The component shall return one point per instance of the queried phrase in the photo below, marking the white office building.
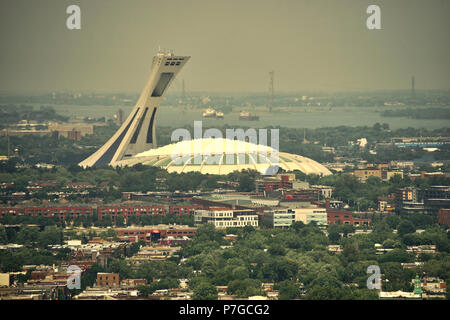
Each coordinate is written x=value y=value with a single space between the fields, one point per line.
x=279 y=217
x=226 y=217
x=313 y=213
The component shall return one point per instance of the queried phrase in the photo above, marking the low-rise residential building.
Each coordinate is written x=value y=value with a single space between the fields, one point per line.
x=412 y=265
x=127 y=211
x=100 y=293
x=380 y=171
x=364 y=174
x=386 y=203
x=152 y=253
x=269 y=184
x=132 y=283
x=108 y=279
x=336 y=248
x=154 y=233
x=96 y=251
x=35 y=291
x=325 y=191
x=417 y=250
x=5 y=279
x=434 y=288
x=399 y=295
x=426 y=175
x=305 y=195
x=9 y=212
x=386 y=175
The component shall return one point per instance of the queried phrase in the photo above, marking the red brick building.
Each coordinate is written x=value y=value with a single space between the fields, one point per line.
x=126 y=211
x=155 y=233
x=345 y=217
x=301 y=195
x=444 y=216
x=107 y=279
x=74 y=135
x=184 y=209
x=9 y=212
x=271 y=184
x=62 y=213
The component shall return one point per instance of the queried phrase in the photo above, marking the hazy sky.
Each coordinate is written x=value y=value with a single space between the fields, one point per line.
x=310 y=44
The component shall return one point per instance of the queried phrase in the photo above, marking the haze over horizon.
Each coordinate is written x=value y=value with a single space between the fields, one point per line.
x=311 y=45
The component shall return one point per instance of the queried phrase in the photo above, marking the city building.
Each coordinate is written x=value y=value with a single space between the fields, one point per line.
x=152 y=253
x=436 y=192
x=305 y=195
x=154 y=233
x=426 y=175
x=311 y=214
x=9 y=212
x=430 y=200
x=71 y=131
x=279 y=217
x=364 y=174
x=325 y=191
x=380 y=170
x=402 y=164
x=444 y=216
x=401 y=295
x=386 y=175
x=335 y=248
x=107 y=294
x=112 y=211
x=119 y=117
x=184 y=209
x=418 y=250
x=268 y=184
x=386 y=203
x=408 y=195
x=96 y=251
x=5 y=279
x=108 y=279
x=434 y=288
x=127 y=211
x=226 y=217
x=62 y=213
x=345 y=217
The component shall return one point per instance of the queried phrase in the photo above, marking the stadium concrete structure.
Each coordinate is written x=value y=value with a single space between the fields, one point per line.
x=135 y=141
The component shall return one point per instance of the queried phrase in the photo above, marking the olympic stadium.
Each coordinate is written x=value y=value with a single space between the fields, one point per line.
x=135 y=141
x=223 y=156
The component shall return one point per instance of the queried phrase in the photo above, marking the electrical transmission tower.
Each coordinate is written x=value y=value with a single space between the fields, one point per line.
x=270 y=96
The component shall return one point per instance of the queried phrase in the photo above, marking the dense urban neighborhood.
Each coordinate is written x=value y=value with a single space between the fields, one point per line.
x=142 y=232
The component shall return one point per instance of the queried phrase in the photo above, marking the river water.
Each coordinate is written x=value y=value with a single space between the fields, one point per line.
x=286 y=117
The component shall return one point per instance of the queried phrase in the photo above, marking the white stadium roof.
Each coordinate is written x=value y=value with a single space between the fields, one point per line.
x=222 y=156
